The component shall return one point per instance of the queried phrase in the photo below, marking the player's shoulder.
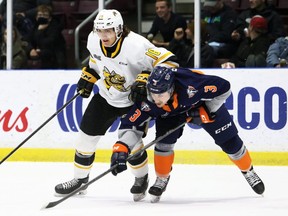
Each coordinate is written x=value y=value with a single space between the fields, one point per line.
x=136 y=39
x=92 y=37
x=187 y=70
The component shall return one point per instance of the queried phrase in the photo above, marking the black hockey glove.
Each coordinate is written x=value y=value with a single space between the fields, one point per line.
x=88 y=77
x=138 y=89
x=200 y=115
x=119 y=157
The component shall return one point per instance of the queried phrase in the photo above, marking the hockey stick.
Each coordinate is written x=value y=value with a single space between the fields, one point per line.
x=41 y=126
x=52 y=204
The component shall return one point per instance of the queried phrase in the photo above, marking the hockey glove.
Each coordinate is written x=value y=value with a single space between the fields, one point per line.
x=119 y=157
x=200 y=115
x=88 y=77
x=138 y=89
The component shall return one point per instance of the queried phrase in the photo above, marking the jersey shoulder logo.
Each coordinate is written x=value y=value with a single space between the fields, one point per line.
x=145 y=107
x=191 y=91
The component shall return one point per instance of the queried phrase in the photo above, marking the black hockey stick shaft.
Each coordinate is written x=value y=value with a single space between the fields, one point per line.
x=52 y=204
x=41 y=126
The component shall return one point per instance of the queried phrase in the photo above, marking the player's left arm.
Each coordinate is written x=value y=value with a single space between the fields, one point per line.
x=214 y=92
x=156 y=56
x=130 y=133
x=162 y=57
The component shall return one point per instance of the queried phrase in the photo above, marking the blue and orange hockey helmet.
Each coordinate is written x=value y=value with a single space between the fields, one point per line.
x=160 y=80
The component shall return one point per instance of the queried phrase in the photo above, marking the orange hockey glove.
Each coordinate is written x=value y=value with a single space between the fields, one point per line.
x=200 y=115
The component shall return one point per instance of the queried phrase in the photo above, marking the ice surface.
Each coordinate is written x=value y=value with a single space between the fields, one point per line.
x=196 y=190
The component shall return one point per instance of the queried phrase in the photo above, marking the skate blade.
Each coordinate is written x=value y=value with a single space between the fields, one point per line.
x=80 y=193
x=154 y=199
x=139 y=197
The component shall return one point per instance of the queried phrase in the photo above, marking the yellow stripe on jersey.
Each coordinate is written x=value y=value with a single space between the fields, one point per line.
x=92 y=60
x=197 y=71
x=170 y=64
x=117 y=50
x=162 y=58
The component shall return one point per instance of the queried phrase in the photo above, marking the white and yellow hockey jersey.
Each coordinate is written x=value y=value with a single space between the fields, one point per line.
x=118 y=72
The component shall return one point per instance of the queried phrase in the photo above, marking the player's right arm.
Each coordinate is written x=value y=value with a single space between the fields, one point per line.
x=130 y=133
x=88 y=77
x=154 y=56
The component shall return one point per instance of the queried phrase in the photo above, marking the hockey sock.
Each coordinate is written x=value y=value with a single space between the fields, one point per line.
x=83 y=164
x=243 y=161
x=139 y=164
x=163 y=163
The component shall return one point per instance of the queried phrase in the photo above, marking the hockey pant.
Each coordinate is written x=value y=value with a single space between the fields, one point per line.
x=225 y=135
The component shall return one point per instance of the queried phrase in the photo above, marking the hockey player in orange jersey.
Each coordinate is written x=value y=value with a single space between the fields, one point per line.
x=173 y=95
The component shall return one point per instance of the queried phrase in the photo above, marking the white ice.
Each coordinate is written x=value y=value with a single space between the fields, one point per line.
x=196 y=190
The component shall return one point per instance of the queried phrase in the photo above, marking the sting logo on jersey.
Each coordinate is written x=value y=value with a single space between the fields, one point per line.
x=145 y=107
x=115 y=80
x=191 y=91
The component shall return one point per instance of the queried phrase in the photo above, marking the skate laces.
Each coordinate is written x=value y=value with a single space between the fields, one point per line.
x=70 y=184
x=252 y=178
x=161 y=182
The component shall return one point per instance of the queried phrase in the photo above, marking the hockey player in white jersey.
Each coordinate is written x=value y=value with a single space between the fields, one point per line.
x=118 y=57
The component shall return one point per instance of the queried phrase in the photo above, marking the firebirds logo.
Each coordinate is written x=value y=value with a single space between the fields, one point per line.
x=191 y=91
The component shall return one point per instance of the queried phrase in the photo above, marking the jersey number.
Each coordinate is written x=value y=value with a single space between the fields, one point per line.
x=134 y=117
x=211 y=88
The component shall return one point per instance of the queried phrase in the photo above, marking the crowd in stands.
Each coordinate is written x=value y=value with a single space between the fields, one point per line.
x=38 y=42
x=231 y=37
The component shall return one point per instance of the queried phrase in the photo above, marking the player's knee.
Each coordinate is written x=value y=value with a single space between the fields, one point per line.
x=86 y=143
x=232 y=145
x=139 y=159
x=164 y=147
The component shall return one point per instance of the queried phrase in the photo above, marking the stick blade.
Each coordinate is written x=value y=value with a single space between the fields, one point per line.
x=49 y=205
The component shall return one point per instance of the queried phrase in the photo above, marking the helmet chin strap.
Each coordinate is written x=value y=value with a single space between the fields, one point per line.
x=117 y=39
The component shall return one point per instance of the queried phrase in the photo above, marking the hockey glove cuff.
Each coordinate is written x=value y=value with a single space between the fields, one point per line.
x=200 y=115
x=119 y=157
x=88 y=77
x=138 y=89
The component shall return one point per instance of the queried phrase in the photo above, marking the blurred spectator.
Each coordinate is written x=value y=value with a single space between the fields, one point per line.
x=19 y=57
x=220 y=20
x=165 y=22
x=277 y=55
x=185 y=51
x=46 y=42
x=24 y=12
x=252 y=51
x=259 y=7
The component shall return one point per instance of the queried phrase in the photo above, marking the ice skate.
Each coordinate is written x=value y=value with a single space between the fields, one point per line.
x=139 y=188
x=158 y=188
x=70 y=186
x=254 y=181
